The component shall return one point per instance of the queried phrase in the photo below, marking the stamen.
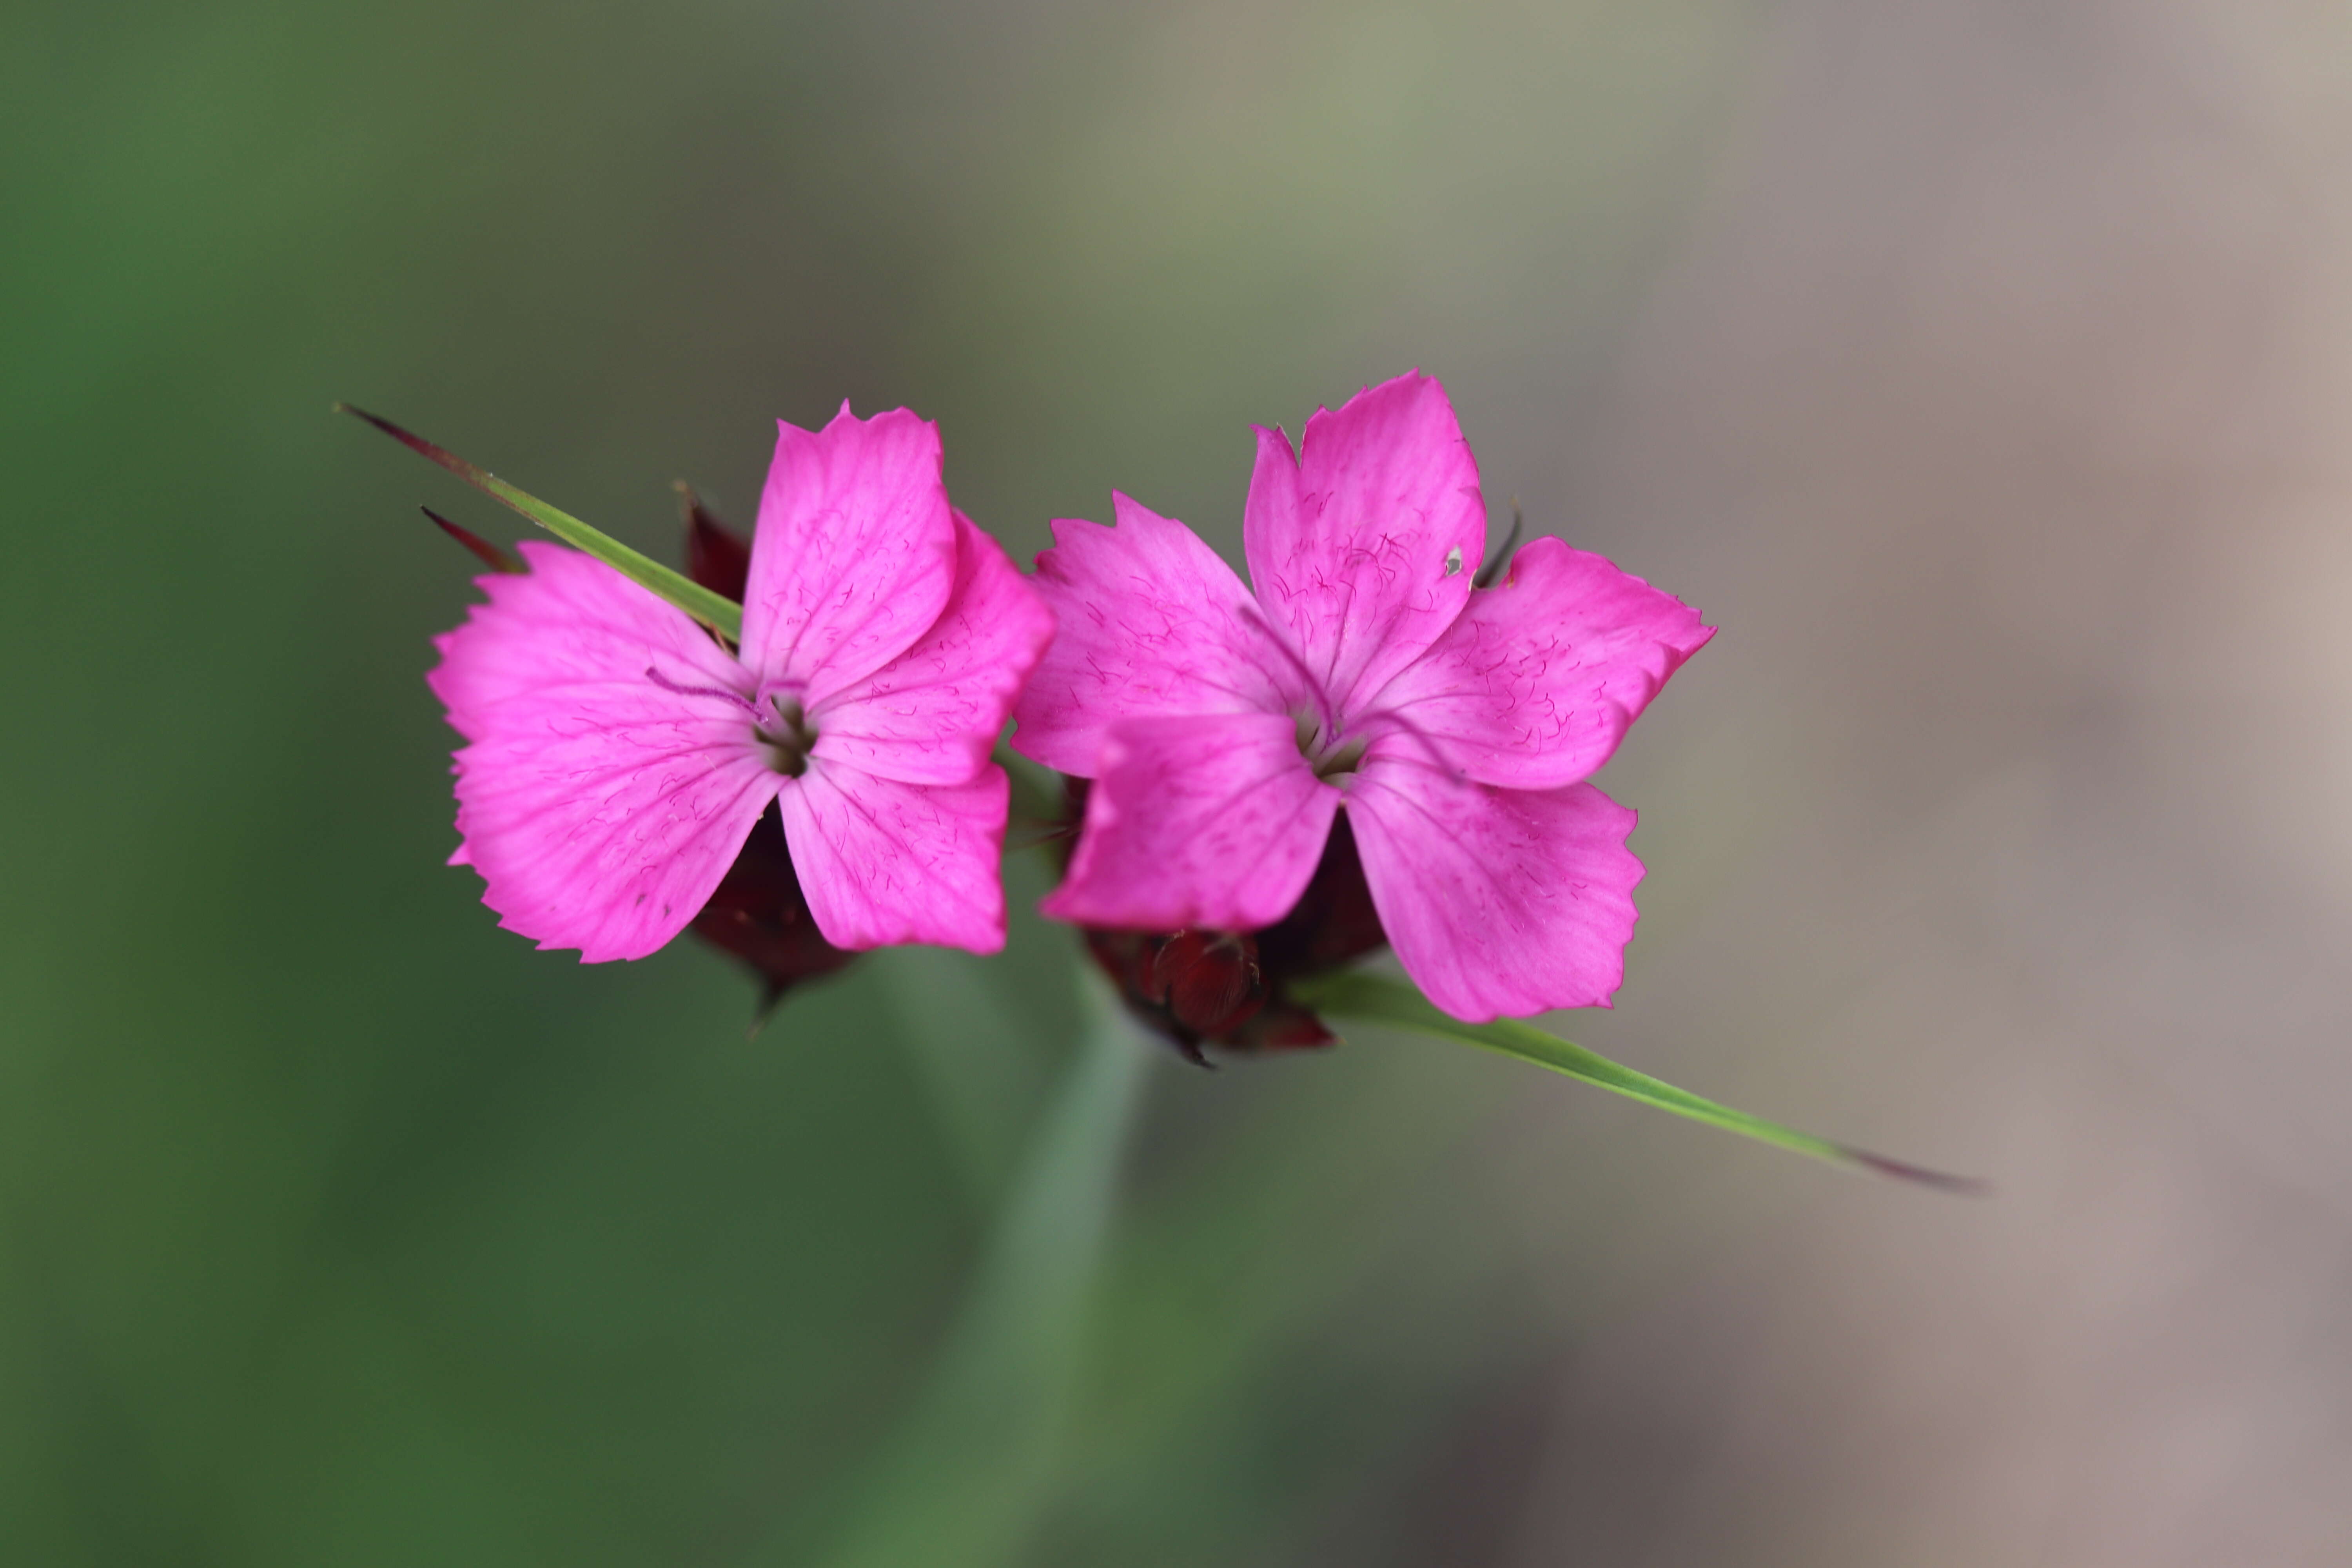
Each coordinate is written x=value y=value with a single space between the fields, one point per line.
x=790 y=743
x=1344 y=760
x=659 y=679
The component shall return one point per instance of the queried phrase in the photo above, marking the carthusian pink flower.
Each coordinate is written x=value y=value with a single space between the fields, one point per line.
x=619 y=755
x=1225 y=731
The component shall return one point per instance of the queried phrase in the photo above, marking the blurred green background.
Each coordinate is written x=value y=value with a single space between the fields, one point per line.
x=1981 y=368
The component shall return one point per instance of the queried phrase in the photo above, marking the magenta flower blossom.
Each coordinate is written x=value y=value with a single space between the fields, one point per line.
x=618 y=754
x=1225 y=731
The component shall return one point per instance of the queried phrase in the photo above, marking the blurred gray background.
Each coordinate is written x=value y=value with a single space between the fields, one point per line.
x=1982 y=370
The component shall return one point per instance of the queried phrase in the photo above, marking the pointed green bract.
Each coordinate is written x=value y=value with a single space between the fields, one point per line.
x=720 y=613
x=1381 y=999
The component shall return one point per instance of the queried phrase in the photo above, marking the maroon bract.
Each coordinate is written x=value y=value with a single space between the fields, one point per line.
x=716 y=555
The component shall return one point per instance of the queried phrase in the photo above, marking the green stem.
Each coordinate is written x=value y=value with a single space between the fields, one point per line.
x=971 y=1472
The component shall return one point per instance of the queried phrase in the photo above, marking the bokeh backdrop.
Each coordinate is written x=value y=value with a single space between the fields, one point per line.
x=1983 y=369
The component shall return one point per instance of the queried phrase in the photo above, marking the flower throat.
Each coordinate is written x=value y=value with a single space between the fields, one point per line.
x=788 y=737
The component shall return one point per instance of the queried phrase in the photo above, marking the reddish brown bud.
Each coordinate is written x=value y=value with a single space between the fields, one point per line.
x=1209 y=981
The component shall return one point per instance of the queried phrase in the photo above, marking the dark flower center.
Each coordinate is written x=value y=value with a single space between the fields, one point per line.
x=1329 y=756
x=788 y=736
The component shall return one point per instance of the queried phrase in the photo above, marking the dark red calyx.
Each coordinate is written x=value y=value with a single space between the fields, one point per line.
x=1334 y=919
x=716 y=557
x=1198 y=988
x=760 y=915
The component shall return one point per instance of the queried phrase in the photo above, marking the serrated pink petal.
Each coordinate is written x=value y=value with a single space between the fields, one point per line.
x=1363 y=547
x=853 y=555
x=1148 y=623
x=883 y=862
x=1536 y=682
x=569 y=621
x=1500 y=903
x=612 y=772
x=1211 y=821
x=930 y=716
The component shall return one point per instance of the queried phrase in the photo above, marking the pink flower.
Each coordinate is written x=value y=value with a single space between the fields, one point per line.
x=1456 y=726
x=619 y=755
